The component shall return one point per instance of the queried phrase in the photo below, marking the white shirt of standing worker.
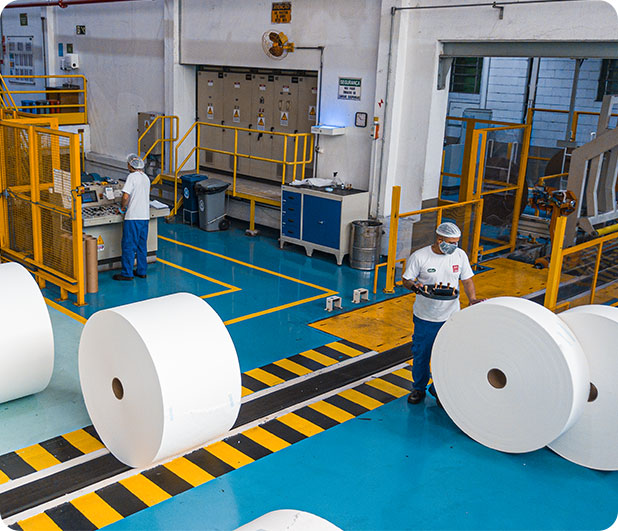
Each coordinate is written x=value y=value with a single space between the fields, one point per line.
x=427 y=267
x=137 y=186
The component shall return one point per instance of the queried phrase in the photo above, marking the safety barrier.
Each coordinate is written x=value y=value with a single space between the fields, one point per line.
x=40 y=209
x=306 y=139
x=478 y=179
x=586 y=273
x=468 y=215
x=69 y=103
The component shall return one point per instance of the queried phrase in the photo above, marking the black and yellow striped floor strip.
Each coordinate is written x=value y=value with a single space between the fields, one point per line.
x=132 y=494
x=61 y=449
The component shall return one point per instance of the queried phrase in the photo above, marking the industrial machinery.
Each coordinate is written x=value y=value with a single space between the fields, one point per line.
x=102 y=219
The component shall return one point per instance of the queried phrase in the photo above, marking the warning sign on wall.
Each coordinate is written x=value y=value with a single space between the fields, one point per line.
x=236 y=84
x=284 y=119
x=349 y=88
x=281 y=13
x=260 y=123
x=311 y=114
x=211 y=83
x=262 y=87
x=236 y=116
x=210 y=112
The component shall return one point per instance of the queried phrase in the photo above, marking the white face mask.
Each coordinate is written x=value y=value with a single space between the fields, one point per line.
x=447 y=248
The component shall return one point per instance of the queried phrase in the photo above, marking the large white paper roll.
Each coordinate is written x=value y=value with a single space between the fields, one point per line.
x=510 y=374
x=593 y=440
x=289 y=520
x=159 y=377
x=26 y=336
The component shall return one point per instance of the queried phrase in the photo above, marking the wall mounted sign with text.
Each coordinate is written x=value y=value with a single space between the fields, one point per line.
x=349 y=88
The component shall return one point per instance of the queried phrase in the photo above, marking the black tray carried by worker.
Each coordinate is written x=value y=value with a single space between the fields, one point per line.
x=438 y=292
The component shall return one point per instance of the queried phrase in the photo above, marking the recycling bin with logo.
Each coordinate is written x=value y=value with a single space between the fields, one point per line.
x=189 y=203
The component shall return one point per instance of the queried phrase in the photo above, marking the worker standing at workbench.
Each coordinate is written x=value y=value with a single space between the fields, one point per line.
x=444 y=263
x=135 y=205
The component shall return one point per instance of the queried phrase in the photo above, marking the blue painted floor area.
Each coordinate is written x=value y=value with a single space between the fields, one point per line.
x=56 y=410
x=398 y=467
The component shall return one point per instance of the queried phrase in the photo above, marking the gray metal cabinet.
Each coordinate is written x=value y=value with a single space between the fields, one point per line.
x=321 y=220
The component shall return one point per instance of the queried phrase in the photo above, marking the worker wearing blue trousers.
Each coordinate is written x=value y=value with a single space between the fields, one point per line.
x=135 y=205
x=442 y=262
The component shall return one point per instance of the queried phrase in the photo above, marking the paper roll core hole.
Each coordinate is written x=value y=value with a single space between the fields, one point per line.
x=496 y=378
x=117 y=388
x=594 y=393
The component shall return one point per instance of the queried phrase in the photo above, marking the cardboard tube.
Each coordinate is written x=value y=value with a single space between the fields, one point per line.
x=92 y=265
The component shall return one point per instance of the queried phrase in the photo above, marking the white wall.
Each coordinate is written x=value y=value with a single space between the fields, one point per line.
x=121 y=56
x=420 y=108
x=223 y=33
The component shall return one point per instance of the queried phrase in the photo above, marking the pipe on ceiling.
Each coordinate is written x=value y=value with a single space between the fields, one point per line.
x=62 y=3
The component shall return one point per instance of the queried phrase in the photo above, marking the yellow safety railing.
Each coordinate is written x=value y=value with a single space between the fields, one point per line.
x=6 y=99
x=470 y=222
x=307 y=140
x=74 y=112
x=557 y=259
x=170 y=124
x=40 y=208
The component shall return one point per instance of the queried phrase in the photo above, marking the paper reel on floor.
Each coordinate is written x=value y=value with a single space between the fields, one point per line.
x=510 y=374
x=593 y=440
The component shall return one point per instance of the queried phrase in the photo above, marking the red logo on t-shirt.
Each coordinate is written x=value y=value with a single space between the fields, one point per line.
x=456 y=268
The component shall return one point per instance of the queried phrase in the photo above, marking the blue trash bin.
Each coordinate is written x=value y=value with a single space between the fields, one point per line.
x=190 y=212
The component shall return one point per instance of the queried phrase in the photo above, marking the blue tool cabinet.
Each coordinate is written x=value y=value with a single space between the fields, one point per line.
x=321 y=220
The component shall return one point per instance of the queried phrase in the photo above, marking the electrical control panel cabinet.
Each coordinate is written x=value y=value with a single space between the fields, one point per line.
x=210 y=111
x=316 y=219
x=262 y=98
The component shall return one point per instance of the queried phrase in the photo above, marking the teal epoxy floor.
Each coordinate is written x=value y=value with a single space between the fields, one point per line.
x=398 y=467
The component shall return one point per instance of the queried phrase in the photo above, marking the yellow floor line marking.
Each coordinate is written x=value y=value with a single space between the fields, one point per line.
x=4 y=478
x=229 y=454
x=404 y=373
x=145 y=489
x=264 y=377
x=388 y=387
x=331 y=411
x=300 y=424
x=344 y=349
x=282 y=307
x=257 y=268
x=360 y=399
x=292 y=367
x=244 y=391
x=266 y=439
x=189 y=471
x=319 y=357
x=83 y=441
x=96 y=510
x=63 y=310
x=37 y=457
x=196 y=274
x=39 y=522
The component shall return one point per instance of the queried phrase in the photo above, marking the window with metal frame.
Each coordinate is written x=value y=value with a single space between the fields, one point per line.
x=466 y=75
x=608 y=78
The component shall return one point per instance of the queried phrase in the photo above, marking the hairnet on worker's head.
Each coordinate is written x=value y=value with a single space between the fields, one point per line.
x=135 y=161
x=448 y=230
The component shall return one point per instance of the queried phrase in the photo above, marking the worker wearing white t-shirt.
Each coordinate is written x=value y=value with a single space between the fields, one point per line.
x=135 y=205
x=442 y=262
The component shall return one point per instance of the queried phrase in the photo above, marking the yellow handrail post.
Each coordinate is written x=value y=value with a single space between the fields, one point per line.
x=392 y=240
x=555 y=264
x=78 y=245
x=593 y=288
x=574 y=124
x=295 y=157
x=476 y=236
x=235 y=160
x=305 y=136
x=521 y=182
x=285 y=158
x=252 y=215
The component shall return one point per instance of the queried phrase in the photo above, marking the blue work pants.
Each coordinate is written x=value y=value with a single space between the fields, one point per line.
x=424 y=335
x=134 y=240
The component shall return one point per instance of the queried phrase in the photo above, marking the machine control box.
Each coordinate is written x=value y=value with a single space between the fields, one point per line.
x=101 y=199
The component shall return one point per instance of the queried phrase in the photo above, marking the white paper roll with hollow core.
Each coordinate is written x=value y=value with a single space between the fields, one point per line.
x=510 y=374
x=159 y=377
x=593 y=440
x=289 y=520
x=26 y=336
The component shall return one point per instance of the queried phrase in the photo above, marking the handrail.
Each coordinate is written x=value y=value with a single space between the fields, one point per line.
x=5 y=91
x=80 y=116
x=392 y=260
x=574 y=123
x=174 y=125
x=307 y=154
